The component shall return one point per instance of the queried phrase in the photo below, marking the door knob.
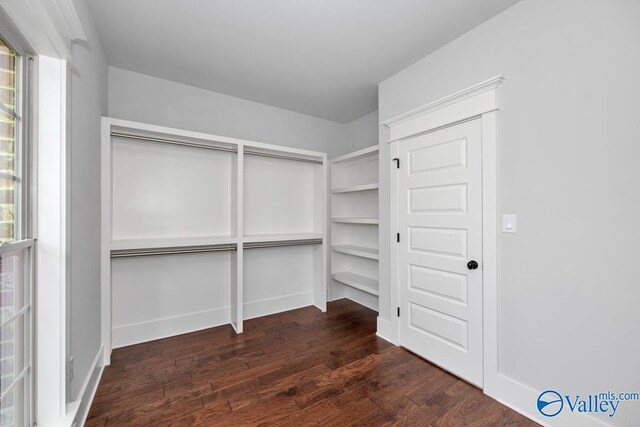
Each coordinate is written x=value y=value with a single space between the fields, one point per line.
x=472 y=265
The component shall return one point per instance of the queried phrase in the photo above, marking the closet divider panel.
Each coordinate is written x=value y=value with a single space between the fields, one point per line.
x=237 y=257
x=321 y=225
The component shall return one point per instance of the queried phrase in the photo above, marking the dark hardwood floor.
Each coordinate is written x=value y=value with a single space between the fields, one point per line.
x=302 y=367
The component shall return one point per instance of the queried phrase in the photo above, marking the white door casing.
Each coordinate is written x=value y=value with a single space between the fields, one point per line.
x=477 y=101
x=440 y=224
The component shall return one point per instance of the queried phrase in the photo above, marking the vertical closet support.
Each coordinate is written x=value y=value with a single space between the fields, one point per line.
x=237 y=279
x=105 y=240
x=320 y=252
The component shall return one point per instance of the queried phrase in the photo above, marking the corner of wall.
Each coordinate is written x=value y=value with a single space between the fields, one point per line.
x=88 y=391
x=88 y=101
x=361 y=133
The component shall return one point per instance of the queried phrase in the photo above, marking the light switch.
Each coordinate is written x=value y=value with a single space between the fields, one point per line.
x=508 y=223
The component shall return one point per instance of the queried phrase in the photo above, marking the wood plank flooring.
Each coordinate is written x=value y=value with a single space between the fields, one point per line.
x=302 y=367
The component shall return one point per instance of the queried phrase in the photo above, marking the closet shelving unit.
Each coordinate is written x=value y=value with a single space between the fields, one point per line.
x=354 y=231
x=201 y=230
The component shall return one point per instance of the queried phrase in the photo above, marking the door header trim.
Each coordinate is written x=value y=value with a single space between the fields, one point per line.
x=478 y=99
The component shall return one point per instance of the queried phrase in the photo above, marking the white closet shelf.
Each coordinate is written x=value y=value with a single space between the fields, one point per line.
x=370 y=151
x=355 y=220
x=356 y=281
x=360 y=251
x=354 y=188
x=171 y=242
x=260 y=238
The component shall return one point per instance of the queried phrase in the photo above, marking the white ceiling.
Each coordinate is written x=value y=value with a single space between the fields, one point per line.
x=318 y=57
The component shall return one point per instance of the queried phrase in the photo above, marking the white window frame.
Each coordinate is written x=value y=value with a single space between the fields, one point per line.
x=50 y=31
x=23 y=226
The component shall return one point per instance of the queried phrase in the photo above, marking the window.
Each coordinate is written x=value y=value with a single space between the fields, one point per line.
x=8 y=119
x=16 y=244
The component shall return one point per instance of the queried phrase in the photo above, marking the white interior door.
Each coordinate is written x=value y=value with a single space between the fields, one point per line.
x=440 y=219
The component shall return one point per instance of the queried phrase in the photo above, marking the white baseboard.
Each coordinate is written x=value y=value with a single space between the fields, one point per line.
x=162 y=328
x=122 y=336
x=362 y=298
x=384 y=331
x=78 y=410
x=522 y=398
x=276 y=305
x=516 y=395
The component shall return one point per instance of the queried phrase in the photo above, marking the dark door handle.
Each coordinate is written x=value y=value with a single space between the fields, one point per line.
x=472 y=265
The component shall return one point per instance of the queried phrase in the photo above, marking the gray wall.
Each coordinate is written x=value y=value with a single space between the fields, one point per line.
x=363 y=132
x=568 y=167
x=88 y=94
x=142 y=98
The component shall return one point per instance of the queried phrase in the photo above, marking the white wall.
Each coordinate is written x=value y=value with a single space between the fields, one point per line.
x=362 y=132
x=88 y=87
x=568 y=167
x=147 y=99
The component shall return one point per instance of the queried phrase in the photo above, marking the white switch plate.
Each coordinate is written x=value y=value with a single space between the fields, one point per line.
x=508 y=223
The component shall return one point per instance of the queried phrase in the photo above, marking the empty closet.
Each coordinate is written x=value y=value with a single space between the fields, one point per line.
x=200 y=230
